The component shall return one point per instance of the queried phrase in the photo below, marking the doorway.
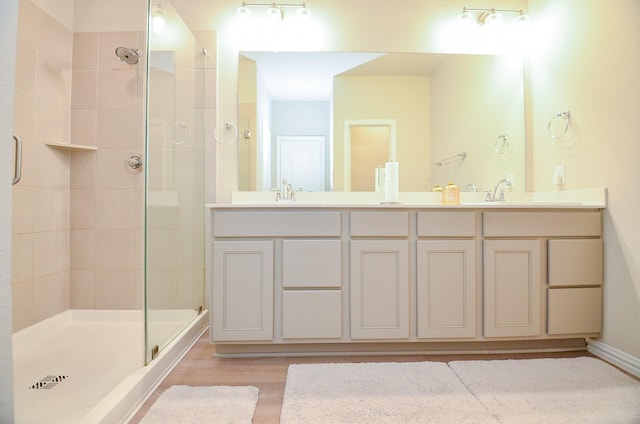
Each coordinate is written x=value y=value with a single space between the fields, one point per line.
x=301 y=160
x=368 y=144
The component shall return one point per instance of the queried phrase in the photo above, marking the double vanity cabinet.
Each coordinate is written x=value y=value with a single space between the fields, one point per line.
x=383 y=278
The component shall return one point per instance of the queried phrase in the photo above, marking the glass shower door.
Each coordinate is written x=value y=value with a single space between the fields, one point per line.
x=174 y=192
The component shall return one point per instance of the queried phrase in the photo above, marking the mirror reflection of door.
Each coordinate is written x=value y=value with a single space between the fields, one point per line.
x=369 y=149
x=301 y=161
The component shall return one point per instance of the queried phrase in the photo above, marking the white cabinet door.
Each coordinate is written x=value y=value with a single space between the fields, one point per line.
x=379 y=289
x=242 y=290
x=446 y=288
x=512 y=271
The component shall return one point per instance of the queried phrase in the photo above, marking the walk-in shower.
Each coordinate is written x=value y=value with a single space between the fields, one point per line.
x=108 y=264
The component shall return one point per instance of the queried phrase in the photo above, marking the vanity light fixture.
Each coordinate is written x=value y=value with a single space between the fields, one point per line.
x=158 y=18
x=274 y=10
x=488 y=16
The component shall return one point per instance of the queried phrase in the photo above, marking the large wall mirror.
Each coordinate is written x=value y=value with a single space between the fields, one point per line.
x=456 y=118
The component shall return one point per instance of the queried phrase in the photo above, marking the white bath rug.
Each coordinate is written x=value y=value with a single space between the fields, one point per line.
x=203 y=404
x=380 y=393
x=567 y=390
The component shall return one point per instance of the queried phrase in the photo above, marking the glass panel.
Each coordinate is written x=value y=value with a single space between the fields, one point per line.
x=174 y=248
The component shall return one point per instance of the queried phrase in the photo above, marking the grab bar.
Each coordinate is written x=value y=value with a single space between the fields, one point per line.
x=17 y=173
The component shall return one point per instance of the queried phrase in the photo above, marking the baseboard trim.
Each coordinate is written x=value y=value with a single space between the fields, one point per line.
x=615 y=356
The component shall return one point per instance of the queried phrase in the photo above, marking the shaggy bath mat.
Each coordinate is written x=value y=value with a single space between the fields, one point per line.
x=564 y=390
x=203 y=404
x=354 y=393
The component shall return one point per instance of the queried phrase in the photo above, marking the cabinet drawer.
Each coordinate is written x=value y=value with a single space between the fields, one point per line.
x=312 y=314
x=384 y=224
x=312 y=263
x=446 y=224
x=575 y=311
x=532 y=224
x=276 y=223
x=575 y=262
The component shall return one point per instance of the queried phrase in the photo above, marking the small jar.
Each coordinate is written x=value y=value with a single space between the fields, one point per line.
x=451 y=194
x=436 y=188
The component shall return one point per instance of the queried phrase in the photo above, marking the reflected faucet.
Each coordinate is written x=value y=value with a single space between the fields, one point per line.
x=287 y=192
x=494 y=197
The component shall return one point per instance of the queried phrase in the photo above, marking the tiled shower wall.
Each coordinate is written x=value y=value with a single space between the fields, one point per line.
x=106 y=201
x=40 y=268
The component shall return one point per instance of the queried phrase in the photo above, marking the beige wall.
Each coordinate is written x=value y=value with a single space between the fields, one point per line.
x=493 y=93
x=405 y=99
x=587 y=60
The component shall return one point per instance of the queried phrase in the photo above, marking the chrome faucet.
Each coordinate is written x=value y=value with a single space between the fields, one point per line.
x=494 y=197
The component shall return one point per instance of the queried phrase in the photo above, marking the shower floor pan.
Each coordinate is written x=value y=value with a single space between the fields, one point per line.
x=84 y=366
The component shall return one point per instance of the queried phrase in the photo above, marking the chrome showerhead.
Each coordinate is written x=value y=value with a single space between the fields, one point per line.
x=128 y=55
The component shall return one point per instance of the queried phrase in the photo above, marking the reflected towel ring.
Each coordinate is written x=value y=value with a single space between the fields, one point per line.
x=229 y=129
x=181 y=133
x=566 y=115
x=502 y=144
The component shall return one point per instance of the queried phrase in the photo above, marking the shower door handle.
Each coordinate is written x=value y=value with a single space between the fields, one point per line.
x=17 y=173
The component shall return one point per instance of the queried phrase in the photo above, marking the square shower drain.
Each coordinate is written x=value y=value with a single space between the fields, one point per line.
x=49 y=382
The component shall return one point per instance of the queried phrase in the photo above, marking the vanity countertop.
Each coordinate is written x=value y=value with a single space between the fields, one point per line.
x=571 y=199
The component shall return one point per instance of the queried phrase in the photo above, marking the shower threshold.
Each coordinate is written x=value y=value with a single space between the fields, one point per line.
x=92 y=363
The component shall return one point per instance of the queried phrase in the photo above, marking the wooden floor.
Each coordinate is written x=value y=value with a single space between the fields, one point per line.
x=200 y=368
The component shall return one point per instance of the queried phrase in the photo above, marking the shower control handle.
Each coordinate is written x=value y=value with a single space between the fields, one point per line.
x=134 y=162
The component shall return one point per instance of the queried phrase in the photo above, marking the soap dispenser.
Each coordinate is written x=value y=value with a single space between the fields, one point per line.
x=451 y=194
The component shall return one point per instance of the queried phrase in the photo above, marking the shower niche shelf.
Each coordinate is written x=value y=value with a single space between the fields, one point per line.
x=72 y=147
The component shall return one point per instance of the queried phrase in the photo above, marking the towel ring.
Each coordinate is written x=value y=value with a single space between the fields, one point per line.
x=229 y=128
x=566 y=115
x=502 y=144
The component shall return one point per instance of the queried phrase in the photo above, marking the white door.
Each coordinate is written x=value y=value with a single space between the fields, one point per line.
x=301 y=161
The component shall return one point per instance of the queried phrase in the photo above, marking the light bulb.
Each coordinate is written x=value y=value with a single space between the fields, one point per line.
x=158 y=20
x=521 y=19
x=243 y=12
x=466 y=17
x=303 y=12
x=274 y=13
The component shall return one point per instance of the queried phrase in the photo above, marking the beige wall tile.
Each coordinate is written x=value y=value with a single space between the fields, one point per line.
x=23 y=296
x=85 y=50
x=22 y=212
x=83 y=209
x=50 y=209
x=115 y=289
x=21 y=258
x=83 y=127
x=53 y=100
x=115 y=209
x=50 y=167
x=24 y=112
x=28 y=23
x=50 y=253
x=118 y=89
x=83 y=289
x=55 y=41
x=118 y=128
x=83 y=170
x=115 y=250
x=51 y=295
x=84 y=92
x=164 y=292
x=83 y=250
x=26 y=69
